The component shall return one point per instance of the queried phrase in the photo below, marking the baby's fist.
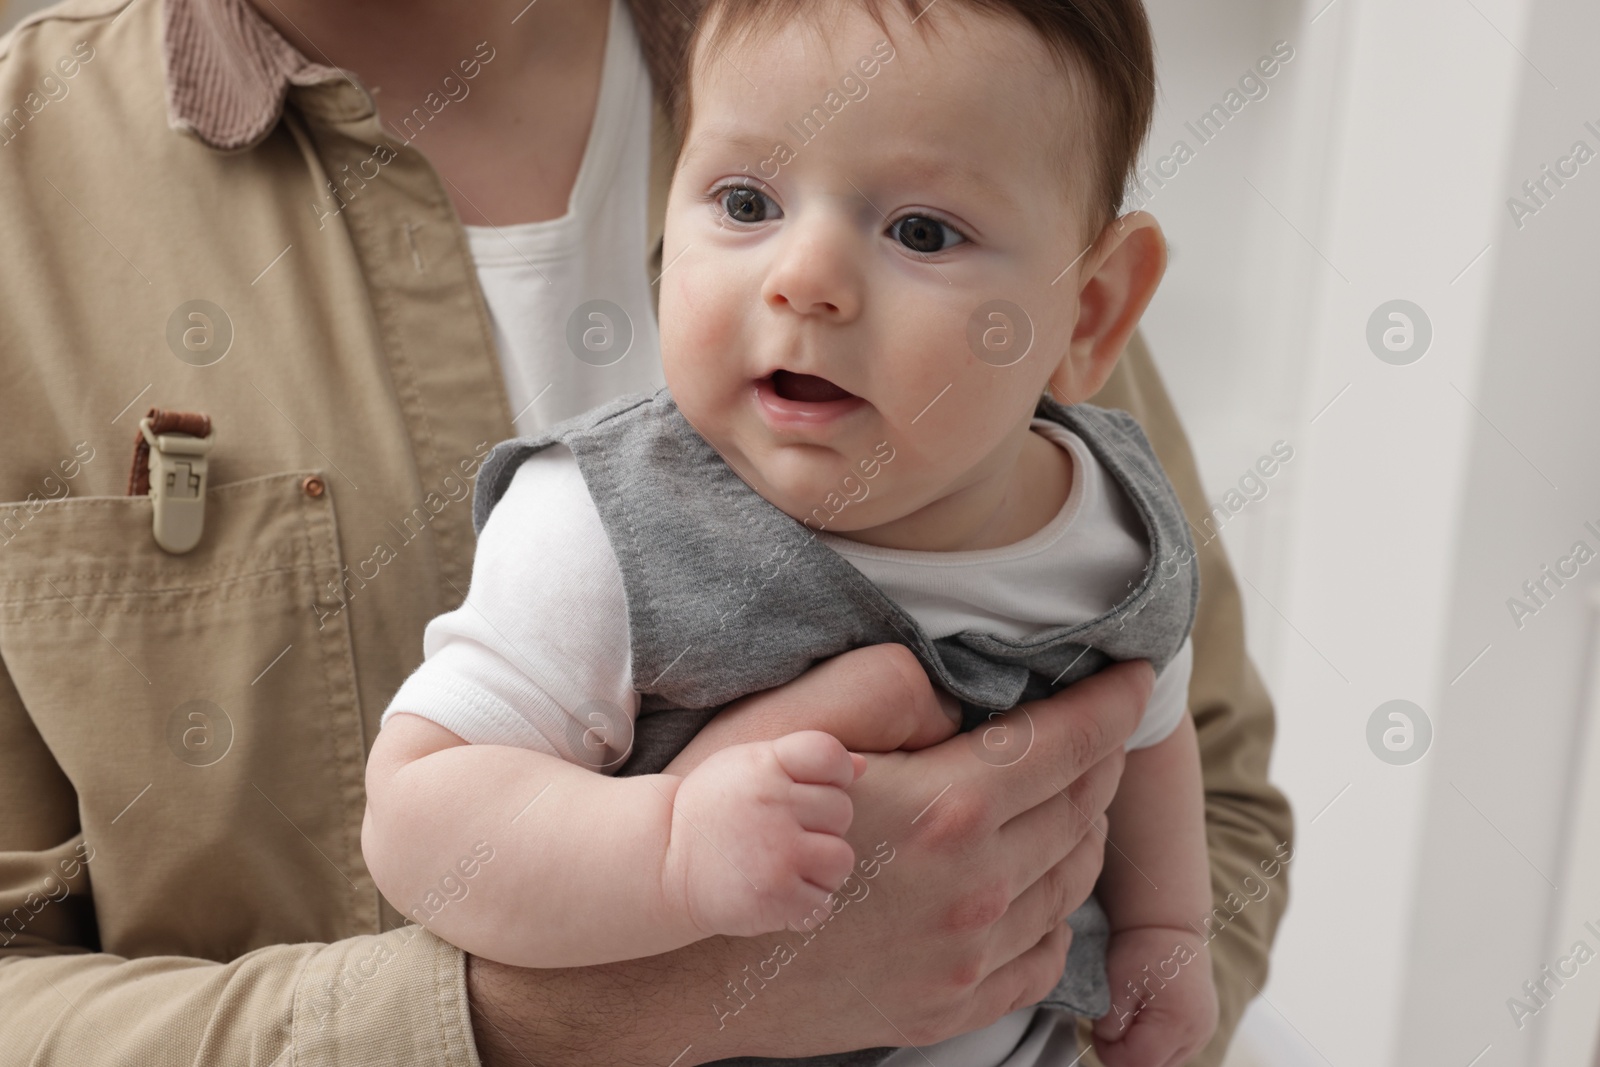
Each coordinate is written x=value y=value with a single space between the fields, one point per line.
x=758 y=833
x=1163 y=1002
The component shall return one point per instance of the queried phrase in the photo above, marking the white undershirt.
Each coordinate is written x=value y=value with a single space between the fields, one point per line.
x=535 y=276
x=1081 y=564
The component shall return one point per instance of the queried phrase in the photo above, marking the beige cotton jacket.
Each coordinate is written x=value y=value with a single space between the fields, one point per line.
x=183 y=736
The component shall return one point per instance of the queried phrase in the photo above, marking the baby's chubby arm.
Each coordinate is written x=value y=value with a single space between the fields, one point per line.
x=1156 y=883
x=590 y=869
x=586 y=868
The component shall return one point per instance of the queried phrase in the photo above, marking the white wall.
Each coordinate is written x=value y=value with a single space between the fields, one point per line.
x=1379 y=564
x=1482 y=915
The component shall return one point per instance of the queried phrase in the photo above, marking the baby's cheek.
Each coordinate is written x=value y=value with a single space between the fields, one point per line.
x=701 y=351
x=698 y=321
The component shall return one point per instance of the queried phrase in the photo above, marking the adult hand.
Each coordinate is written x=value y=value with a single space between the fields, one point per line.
x=873 y=699
x=962 y=925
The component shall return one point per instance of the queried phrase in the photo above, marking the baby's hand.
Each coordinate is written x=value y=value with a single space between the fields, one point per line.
x=1170 y=1012
x=757 y=834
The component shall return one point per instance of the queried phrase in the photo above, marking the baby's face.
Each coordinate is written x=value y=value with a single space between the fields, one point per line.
x=820 y=308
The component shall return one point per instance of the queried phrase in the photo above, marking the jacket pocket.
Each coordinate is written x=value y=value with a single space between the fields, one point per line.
x=208 y=722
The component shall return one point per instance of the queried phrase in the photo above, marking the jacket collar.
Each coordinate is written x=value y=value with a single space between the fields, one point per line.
x=228 y=71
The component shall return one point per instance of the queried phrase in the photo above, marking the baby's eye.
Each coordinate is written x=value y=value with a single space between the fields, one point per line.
x=924 y=234
x=741 y=203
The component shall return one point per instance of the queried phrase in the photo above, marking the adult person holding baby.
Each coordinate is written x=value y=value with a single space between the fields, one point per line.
x=209 y=782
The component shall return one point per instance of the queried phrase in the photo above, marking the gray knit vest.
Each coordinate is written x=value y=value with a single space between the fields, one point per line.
x=710 y=621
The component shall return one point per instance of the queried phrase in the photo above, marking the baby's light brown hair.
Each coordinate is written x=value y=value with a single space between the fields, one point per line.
x=1103 y=46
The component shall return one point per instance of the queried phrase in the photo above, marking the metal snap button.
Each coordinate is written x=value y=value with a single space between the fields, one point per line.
x=313 y=486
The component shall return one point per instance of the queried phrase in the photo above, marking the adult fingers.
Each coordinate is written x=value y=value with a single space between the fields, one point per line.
x=1036 y=868
x=1026 y=979
x=873 y=699
x=1049 y=899
x=1039 y=836
x=1066 y=734
x=1041 y=771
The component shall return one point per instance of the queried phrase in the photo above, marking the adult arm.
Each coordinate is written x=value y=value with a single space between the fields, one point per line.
x=1248 y=822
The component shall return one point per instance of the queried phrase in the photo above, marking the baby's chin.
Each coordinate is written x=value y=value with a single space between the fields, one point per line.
x=829 y=484
x=841 y=504
x=813 y=502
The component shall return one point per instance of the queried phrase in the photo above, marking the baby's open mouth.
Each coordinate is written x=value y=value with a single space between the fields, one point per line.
x=806 y=388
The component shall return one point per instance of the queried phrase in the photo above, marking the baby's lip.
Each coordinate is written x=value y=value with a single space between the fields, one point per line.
x=794 y=403
x=806 y=388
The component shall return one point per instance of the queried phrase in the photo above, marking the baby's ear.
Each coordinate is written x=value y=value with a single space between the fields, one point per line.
x=1115 y=284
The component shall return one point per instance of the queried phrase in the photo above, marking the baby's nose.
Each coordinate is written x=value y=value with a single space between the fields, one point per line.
x=816 y=273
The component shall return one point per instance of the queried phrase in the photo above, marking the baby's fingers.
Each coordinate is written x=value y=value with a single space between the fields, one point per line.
x=824 y=809
x=1114 y=1024
x=824 y=860
x=815 y=757
x=1148 y=1042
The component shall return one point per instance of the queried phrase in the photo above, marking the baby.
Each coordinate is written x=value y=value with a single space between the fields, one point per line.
x=894 y=271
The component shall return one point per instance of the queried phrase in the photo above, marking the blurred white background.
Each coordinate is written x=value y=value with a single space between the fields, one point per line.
x=1419 y=499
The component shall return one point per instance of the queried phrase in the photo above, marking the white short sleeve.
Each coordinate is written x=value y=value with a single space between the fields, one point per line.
x=539 y=656
x=1169 y=701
